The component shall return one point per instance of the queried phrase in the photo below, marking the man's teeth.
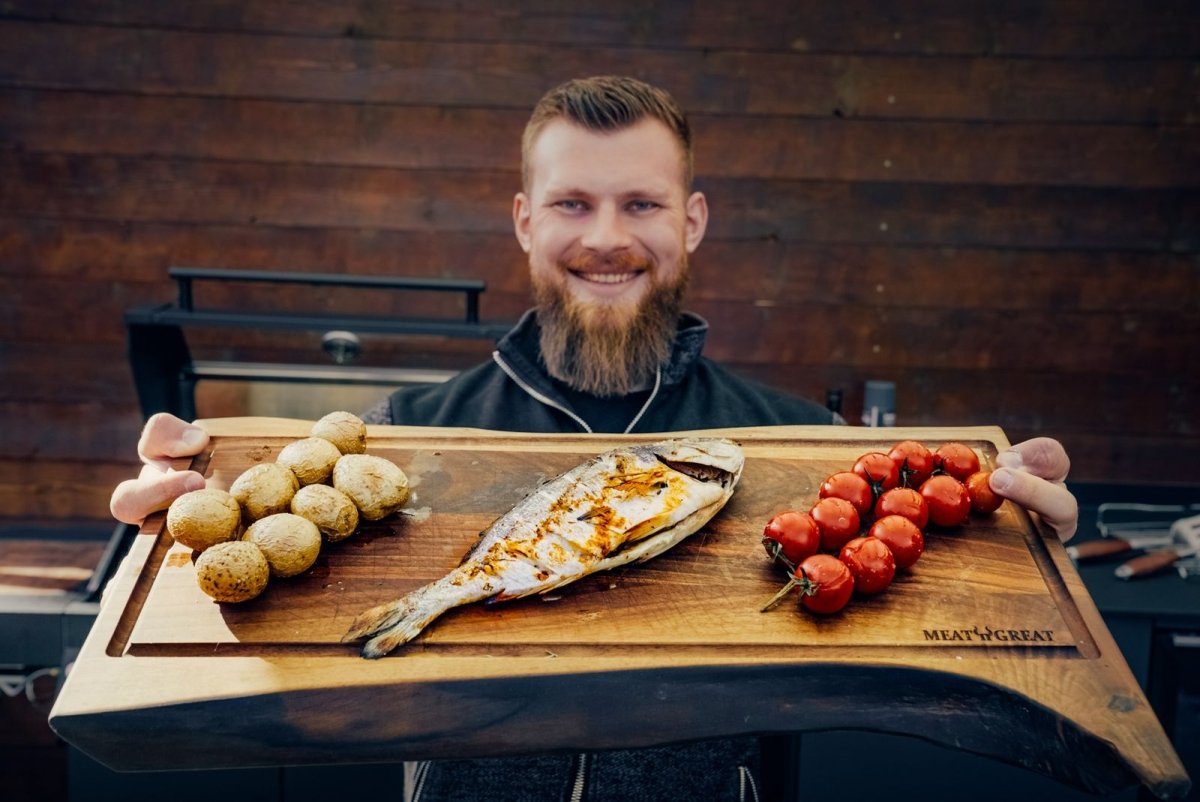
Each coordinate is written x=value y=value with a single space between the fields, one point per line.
x=607 y=278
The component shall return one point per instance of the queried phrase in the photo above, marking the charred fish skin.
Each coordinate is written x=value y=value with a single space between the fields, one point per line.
x=628 y=504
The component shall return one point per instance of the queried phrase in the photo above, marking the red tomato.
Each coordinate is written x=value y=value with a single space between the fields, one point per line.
x=879 y=469
x=851 y=487
x=984 y=500
x=914 y=460
x=825 y=583
x=870 y=562
x=957 y=459
x=903 y=501
x=796 y=533
x=949 y=504
x=838 y=521
x=902 y=537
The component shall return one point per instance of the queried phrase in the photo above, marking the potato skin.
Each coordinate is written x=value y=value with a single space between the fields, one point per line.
x=376 y=485
x=310 y=459
x=330 y=509
x=345 y=430
x=232 y=572
x=203 y=518
x=264 y=489
x=290 y=543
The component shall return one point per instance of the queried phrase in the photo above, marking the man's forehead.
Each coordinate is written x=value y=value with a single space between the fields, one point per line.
x=565 y=152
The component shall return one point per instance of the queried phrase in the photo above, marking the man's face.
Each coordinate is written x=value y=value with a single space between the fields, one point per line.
x=608 y=224
x=606 y=215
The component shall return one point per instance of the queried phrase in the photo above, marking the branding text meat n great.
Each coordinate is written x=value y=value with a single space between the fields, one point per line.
x=990 y=635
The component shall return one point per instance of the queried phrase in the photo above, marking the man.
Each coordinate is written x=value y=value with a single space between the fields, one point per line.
x=608 y=218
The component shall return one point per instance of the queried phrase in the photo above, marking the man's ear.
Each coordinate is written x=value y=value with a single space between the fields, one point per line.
x=696 y=210
x=521 y=213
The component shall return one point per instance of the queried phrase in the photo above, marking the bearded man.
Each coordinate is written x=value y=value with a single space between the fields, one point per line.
x=608 y=217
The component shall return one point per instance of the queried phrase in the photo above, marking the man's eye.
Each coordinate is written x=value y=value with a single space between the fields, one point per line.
x=642 y=205
x=569 y=205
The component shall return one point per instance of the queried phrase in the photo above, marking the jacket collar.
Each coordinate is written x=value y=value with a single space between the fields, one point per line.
x=521 y=350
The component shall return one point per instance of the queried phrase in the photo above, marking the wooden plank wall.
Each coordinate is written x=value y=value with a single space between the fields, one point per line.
x=993 y=204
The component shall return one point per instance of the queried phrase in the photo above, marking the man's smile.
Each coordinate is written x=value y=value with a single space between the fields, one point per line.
x=606 y=278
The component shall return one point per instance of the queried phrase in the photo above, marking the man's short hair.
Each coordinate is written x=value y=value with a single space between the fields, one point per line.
x=608 y=103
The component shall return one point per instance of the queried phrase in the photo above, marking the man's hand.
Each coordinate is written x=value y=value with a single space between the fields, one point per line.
x=1033 y=474
x=165 y=437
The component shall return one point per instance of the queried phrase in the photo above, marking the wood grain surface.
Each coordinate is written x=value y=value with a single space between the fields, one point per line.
x=990 y=643
x=993 y=205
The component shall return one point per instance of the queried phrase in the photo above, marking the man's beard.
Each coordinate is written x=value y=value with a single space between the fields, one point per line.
x=608 y=349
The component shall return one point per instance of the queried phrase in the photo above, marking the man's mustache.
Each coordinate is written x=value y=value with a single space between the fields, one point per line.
x=620 y=262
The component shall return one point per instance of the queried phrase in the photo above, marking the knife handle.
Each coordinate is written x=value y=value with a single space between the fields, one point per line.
x=1146 y=564
x=1099 y=548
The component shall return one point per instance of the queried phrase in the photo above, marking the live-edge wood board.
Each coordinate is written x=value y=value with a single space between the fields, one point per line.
x=990 y=643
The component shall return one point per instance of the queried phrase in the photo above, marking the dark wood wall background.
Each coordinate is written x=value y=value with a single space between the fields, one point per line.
x=994 y=204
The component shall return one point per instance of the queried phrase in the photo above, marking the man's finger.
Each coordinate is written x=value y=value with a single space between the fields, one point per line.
x=1041 y=456
x=1051 y=500
x=134 y=499
x=166 y=436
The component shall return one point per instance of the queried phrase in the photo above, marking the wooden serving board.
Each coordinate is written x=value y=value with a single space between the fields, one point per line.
x=989 y=643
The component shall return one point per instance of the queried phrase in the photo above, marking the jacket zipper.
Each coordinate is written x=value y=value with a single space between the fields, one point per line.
x=649 y=401
x=577 y=788
x=419 y=780
x=550 y=402
x=746 y=780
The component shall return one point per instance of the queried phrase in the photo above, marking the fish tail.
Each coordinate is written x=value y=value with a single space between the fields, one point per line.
x=379 y=617
x=396 y=629
x=391 y=624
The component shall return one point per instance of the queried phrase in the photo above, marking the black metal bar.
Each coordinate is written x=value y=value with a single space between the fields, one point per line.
x=162 y=363
x=184 y=284
x=158 y=355
x=168 y=316
x=376 y=282
x=116 y=548
x=472 y=307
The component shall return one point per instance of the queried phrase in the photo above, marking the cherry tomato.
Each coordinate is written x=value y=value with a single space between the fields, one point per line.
x=825 y=582
x=879 y=469
x=852 y=487
x=949 y=503
x=914 y=460
x=903 y=501
x=984 y=500
x=901 y=536
x=838 y=521
x=796 y=533
x=870 y=562
x=957 y=459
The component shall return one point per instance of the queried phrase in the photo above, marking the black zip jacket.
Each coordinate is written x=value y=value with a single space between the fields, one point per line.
x=514 y=393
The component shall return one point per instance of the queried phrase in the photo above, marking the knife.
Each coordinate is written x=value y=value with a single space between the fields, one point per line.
x=1108 y=546
x=1152 y=563
x=1185 y=542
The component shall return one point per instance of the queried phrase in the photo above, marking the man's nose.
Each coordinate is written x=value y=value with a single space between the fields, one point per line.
x=606 y=230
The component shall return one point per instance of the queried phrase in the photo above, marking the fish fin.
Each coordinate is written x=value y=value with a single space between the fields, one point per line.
x=397 y=622
x=387 y=640
x=410 y=623
x=377 y=618
x=390 y=625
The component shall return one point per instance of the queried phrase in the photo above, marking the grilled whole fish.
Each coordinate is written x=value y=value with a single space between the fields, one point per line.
x=631 y=503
